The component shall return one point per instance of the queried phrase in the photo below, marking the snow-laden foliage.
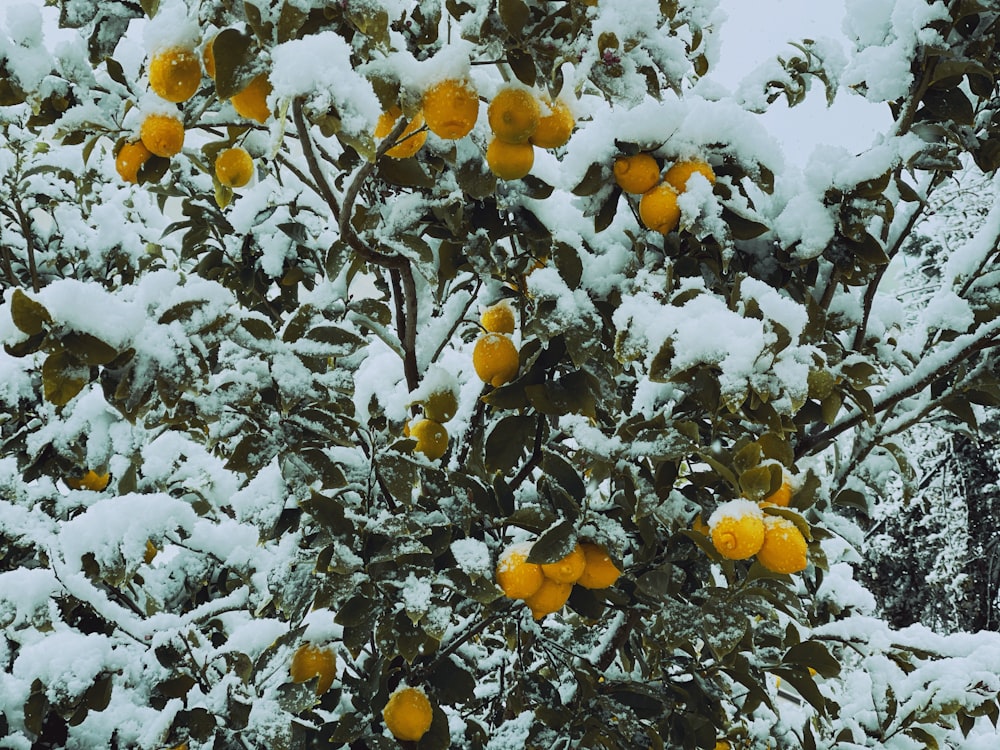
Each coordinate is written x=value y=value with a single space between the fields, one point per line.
x=210 y=391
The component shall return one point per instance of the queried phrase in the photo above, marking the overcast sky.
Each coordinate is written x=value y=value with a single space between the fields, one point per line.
x=757 y=30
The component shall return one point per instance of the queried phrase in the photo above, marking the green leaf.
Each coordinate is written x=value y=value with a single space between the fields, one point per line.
x=63 y=378
x=742 y=227
x=554 y=543
x=592 y=181
x=515 y=15
x=88 y=349
x=28 y=315
x=813 y=654
x=508 y=442
x=234 y=59
x=405 y=173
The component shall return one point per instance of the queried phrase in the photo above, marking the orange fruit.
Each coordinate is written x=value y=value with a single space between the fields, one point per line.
x=174 y=74
x=677 y=176
x=658 y=209
x=784 y=547
x=495 y=359
x=410 y=141
x=90 y=481
x=234 y=167
x=431 y=437
x=518 y=578
x=208 y=57
x=568 y=569
x=555 y=128
x=498 y=318
x=550 y=597
x=441 y=405
x=451 y=108
x=737 y=529
x=637 y=173
x=600 y=572
x=408 y=714
x=513 y=115
x=131 y=157
x=251 y=102
x=781 y=496
x=510 y=161
x=151 y=551
x=312 y=661
x=163 y=135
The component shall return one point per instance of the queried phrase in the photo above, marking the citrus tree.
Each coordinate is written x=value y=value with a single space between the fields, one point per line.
x=469 y=374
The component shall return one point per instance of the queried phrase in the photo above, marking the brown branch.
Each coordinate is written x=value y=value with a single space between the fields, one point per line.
x=404 y=295
x=819 y=440
x=29 y=241
x=534 y=459
x=322 y=186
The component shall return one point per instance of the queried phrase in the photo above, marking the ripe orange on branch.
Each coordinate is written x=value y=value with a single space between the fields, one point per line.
x=555 y=128
x=784 y=548
x=599 y=572
x=495 y=359
x=410 y=140
x=498 y=318
x=451 y=108
x=658 y=209
x=679 y=174
x=510 y=161
x=174 y=74
x=568 y=569
x=163 y=135
x=90 y=481
x=550 y=597
x=234 y=167
x=131 y=157
x=251 y=102
x=312 y=661
x=737 y=529
x=518 y=578
x=513 y=115
x=431 y=437
x=408 y=714
x=637 y=173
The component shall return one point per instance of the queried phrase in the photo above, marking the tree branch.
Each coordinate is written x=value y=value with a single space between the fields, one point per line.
x=322 y=186
x=926 y=372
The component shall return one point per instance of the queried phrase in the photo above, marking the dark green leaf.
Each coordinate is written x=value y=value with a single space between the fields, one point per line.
x=28 y=315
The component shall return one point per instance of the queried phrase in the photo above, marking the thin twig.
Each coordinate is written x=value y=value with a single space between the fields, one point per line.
x=29 y=241
x=322 y=186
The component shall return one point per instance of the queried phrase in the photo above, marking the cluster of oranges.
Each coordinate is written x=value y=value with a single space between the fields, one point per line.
x=639 y=174
x=518 y=125
x=407 y=714
x=174 y=75
x=740 y=529
x=450 y=108
x=429 y=431
x=495 y=357
x=545 y=587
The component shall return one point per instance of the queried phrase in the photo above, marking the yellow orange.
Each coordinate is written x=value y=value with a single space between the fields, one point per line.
x=784 y=547
x=498 y=318
x=163 y=135
x=234 y=167
x=550 y=597
x=677 y=176
x=555 y=128
x=174 y=74
x=312 y=661
x=90 y=481
x=495 y=359
x=509 y=161
x=431 y=437
x=251 y=102
x=408 y=714
x=513 y=115
x=737 y=530
x=410 y=140
x=130 y=159
x=599 y=572
x=451 y=108
x=518 y=578
x=568 y=569
x=658 y=209
x=637 y=173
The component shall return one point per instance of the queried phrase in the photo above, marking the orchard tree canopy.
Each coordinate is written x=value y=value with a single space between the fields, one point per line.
x=476 y=374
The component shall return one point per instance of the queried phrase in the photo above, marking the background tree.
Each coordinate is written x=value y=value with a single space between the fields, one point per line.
x=262 y=461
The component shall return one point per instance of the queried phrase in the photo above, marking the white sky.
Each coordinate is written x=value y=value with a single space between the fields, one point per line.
x=758 y=30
